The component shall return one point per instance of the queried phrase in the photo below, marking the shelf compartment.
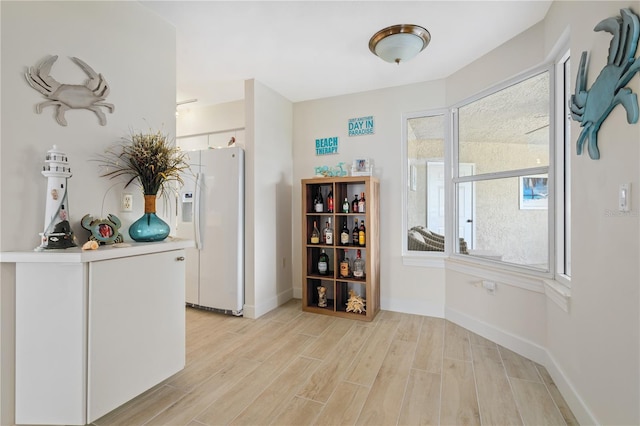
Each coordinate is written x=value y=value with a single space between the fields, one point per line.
x=347 y=189
x=313 y=254
x=312 y=191
x=312 y=300
x=321 y=220
x=344 y=290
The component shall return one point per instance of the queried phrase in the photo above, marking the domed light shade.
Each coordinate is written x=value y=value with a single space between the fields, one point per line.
x=399 y=43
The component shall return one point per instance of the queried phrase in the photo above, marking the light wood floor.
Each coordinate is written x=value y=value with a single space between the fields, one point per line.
x=295 y=368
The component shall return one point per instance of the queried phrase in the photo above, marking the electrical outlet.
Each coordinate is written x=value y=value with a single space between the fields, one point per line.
x=127 y=203
x=490 y=286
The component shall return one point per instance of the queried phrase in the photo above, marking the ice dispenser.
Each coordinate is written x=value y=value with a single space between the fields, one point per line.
x=187 y=206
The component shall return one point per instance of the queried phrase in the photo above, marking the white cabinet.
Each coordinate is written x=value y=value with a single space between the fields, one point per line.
x=51 y=343
x=95 y=329
x=136 y=327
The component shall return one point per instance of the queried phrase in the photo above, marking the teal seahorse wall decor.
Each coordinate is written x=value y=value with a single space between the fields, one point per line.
x=591 y=107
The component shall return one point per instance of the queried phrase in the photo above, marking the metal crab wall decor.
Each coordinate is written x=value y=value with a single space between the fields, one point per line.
x=70 y=96
x=591 y=107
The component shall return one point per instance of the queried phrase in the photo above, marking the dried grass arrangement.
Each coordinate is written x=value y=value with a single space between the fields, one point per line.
x=150 y=158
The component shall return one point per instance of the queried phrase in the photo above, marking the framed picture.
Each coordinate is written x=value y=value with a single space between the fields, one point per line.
x=361 y=167
x=361 y=164
x=534 y=192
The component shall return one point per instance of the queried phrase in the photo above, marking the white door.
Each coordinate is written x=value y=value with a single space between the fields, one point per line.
x=435 y=197
x=436 y=205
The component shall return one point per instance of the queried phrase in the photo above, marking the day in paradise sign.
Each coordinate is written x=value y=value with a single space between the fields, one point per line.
x=361 y=126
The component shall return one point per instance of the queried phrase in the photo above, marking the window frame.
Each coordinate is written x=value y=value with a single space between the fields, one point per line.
x=425 y=258
x=562 y=64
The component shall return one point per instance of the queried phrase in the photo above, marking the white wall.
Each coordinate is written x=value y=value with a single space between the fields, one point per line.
x=125 y=42
x=195 y=120
x=597 y=345
x=402 y=288
x=268 y=199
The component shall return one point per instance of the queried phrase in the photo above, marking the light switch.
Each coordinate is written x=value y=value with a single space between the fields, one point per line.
x=624 y=197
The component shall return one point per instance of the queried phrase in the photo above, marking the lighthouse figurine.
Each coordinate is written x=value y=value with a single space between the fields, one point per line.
x=57 y=230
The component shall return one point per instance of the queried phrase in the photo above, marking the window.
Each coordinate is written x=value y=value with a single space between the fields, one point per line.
x=493 y=175
x=502 y=156
x=426 y=170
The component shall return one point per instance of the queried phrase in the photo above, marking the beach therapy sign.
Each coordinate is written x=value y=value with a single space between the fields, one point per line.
x=361 y=126
x=327 y=146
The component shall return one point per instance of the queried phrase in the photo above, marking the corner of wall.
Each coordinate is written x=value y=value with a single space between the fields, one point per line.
x=578 y=407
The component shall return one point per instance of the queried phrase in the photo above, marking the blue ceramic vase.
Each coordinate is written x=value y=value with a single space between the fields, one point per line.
x=149 y=228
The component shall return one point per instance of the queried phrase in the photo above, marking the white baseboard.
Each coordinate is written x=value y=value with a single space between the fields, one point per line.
x=256 y=311
x=533 y=352
x=409 y=306
x=297 y=293
x=524 y=347
x=564 y=385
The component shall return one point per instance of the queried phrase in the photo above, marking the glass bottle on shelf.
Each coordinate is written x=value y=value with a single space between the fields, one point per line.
x=355 y=234
x=361 y=204
x=328 y=233
x=354 y=204
x=318 y=204
x=330 y=201
x=315 y=234
x=358 y=266
x=323 y=263
x=345 y=205
x=344 y=235
x=362 y=239
x=345 y=266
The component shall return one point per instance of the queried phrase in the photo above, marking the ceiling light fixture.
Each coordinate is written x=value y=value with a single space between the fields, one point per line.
x=399 y=43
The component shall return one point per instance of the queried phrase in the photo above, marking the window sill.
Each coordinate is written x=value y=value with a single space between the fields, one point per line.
x=487 y=270
x=559 y=293
x=431 y=260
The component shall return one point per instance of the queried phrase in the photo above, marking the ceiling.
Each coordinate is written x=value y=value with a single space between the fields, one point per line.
x=315 y=49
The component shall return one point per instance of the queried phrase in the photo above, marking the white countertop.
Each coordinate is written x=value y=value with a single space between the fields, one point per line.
x=105 y=252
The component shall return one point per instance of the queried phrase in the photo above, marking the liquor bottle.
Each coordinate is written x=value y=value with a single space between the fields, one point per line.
x=354 y=204
x=318 y=203
x=345 y=266
x=361 y=204
x=345 y=205
x=344 y=235
x=355 y=234
x=358 y=266
x=362 y=238
x=328 y=233
x=323 y=263
x=315 y=234
x=330 y=201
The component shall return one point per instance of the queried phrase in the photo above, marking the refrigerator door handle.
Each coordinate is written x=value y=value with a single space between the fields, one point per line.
x=196 y=211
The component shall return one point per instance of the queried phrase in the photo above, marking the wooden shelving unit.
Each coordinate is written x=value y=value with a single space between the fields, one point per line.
x=338 y=287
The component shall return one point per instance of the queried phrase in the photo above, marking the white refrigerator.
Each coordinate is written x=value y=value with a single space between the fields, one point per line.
x=211 y=212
